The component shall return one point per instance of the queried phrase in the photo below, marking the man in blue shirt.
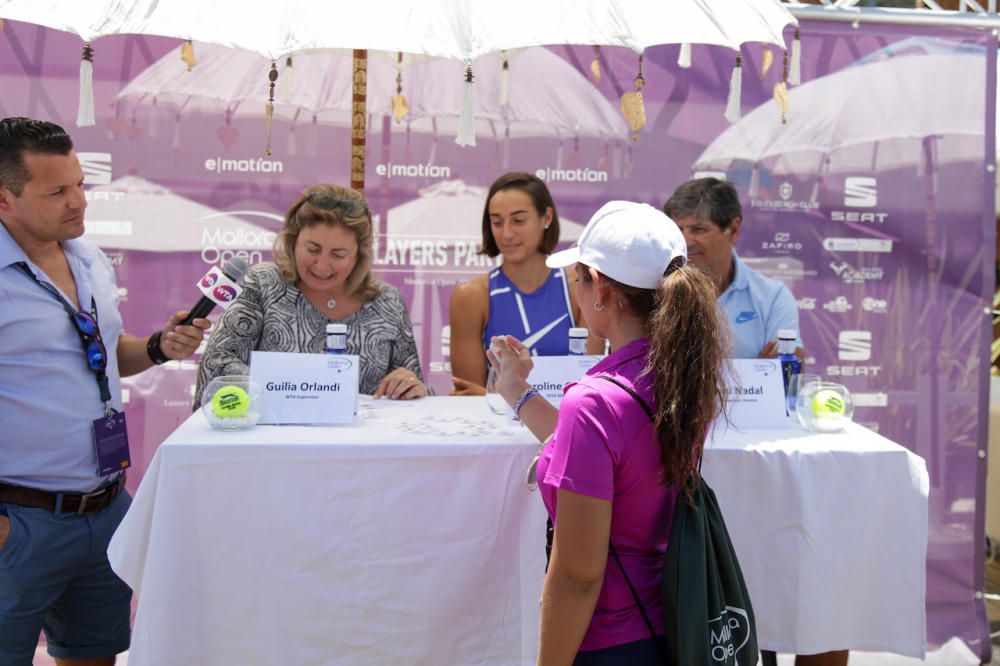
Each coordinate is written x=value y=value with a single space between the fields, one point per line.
x=62 y=353
x=709 y=214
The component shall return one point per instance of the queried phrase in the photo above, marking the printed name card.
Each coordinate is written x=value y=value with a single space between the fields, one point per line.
x=756 y=394
x=306 y=388
x=551 y=374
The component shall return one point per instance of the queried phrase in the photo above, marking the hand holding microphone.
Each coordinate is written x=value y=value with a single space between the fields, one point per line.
x=185 y=329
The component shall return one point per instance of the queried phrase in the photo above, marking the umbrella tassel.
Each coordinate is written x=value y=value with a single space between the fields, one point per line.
x=85 y=110
x=400 y=107
x=781 y=91
x=272 y=76
x=633 y=106
x=684 y=57
x=795 y=69
x=467 y=121
x=504 y=80
x=595 y=66
x=187 y=54
x=735 y=86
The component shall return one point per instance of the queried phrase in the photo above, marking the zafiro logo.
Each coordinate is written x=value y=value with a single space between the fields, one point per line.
x=854 y=346
x=224 y=293
x=839 y=304
x=96 y=168
x=860 y=192
x=209 y=280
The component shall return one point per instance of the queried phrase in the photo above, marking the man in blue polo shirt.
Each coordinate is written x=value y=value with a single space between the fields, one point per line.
x=709 y=214
x=62 y=433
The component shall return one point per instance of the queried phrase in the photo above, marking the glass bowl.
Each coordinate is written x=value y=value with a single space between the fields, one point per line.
x=824 y=406
x=231 y=402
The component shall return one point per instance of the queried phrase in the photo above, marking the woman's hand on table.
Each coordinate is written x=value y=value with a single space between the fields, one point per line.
x=400 y=384
x=465 y=387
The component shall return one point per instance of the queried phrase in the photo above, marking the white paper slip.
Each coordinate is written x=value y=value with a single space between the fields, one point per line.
x=306 y=388
x=756 y=398
x=550 y=375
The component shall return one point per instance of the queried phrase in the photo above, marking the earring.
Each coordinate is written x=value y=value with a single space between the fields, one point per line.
x=546 y=226
x=598 y=306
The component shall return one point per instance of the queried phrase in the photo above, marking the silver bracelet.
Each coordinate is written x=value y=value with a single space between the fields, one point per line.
x=528 y=394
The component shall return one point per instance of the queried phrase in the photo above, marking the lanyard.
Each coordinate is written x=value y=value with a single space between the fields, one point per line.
x=100 y=375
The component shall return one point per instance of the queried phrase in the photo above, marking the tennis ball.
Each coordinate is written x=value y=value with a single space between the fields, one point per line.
x=230 y=402
x=827 y=403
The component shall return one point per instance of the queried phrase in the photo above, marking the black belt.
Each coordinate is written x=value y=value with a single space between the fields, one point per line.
x=78 y=503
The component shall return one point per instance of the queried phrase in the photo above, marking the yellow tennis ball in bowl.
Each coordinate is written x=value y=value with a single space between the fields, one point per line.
x=828 y=403
x=230 y=402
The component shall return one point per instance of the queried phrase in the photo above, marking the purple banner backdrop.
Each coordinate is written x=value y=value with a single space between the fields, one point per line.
x=879 y=218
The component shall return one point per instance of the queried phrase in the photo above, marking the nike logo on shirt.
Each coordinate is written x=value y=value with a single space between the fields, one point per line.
x=530 y=341
x=745 y=316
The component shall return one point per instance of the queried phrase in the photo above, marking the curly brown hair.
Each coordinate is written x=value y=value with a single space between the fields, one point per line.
x=332 y=205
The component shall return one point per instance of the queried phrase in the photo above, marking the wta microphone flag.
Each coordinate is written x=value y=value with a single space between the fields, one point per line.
x=218 y=287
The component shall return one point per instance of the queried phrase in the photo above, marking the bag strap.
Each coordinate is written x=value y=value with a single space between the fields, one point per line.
x=642 y=609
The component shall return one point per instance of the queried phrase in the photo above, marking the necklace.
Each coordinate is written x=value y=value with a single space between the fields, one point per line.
x=331 y=303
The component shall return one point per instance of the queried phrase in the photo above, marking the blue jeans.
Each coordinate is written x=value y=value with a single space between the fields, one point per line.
x=55 y=576
x=637 y=653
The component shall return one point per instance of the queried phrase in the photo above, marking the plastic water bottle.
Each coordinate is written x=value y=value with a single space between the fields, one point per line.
x=336 y=338
x=790 y=363
x=577 y=341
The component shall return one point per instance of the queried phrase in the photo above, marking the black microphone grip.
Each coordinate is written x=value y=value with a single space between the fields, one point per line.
x=200 y=310
x=234 y=269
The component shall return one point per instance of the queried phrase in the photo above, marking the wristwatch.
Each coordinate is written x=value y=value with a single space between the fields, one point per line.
x=153 y=350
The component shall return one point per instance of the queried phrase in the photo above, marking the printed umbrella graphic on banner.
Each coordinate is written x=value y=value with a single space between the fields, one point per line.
x=453 y=210
x=866 y=118
x=541 y=95
x=132 y=213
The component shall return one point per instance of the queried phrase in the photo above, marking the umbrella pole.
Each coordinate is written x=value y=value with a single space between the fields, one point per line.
x=358 y=113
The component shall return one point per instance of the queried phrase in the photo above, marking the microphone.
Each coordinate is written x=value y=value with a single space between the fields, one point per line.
x=218 y=287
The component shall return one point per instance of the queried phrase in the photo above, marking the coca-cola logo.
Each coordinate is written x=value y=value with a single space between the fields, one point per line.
x=209 y=280
x=224 y=293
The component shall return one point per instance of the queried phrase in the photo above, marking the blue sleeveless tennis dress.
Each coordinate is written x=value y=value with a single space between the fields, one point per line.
x=541 y=319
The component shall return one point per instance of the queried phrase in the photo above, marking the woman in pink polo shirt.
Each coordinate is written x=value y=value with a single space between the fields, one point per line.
x=608 y=472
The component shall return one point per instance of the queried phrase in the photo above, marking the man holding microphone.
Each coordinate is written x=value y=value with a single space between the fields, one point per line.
x=63 y=440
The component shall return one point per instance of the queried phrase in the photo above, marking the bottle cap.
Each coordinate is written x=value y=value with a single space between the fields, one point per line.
x=333 y=329
x=578 y=332
x=787 y=334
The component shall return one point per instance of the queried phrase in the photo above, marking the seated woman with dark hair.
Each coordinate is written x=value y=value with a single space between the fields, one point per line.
x=321 y=274
x=523 y=297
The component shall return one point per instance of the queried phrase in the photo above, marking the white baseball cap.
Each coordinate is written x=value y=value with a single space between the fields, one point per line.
x=631 y=243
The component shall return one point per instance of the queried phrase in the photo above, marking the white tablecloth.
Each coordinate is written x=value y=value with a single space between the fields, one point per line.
x=411 y=539
x=831 y=533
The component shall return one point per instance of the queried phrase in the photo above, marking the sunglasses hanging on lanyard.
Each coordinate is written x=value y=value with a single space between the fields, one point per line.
x=110 y=436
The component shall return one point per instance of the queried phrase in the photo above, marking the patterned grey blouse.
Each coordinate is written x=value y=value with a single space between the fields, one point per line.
x=272 y=315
